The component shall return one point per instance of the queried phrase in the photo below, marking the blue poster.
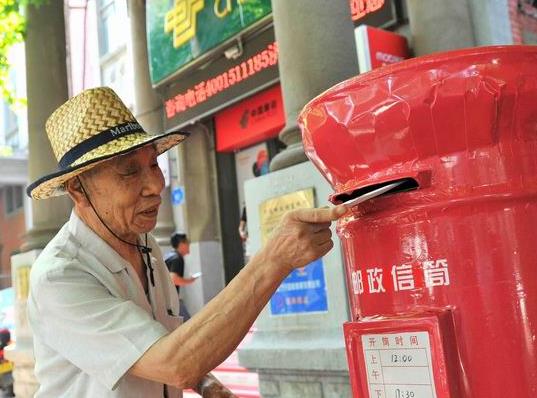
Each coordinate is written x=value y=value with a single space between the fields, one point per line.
x=303 y=291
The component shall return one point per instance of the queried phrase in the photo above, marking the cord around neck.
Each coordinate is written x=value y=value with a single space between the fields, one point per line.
x=144 y=249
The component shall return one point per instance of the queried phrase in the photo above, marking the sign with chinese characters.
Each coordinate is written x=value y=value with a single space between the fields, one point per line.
x=222 y=82
x=374 y=280
x=181 y=31
x=252 y=120
x=202 y=91
x=272 y=210
x=377 y=47
x=399 y=365
x=381 y=13
x=304 y=290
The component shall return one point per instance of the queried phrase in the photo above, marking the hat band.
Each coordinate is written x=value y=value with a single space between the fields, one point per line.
x=95 y=141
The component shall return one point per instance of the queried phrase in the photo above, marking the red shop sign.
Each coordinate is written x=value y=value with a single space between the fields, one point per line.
x=379 y=47
x=253 y=120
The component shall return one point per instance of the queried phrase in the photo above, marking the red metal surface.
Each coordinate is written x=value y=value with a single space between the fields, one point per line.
x=464 y=125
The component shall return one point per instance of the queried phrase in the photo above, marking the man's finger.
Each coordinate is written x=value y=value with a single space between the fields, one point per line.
x=321 y=215
x=322 y=236
x=326 y=246
x=322 y=226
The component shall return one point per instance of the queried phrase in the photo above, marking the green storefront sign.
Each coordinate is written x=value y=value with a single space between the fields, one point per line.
x=179 y=31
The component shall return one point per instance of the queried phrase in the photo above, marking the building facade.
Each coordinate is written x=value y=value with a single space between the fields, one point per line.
x=13 y=163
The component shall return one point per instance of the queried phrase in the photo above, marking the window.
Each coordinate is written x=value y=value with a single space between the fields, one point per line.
x=113 y=26
x=13 y=199
x=10 y=127
x=111 y=14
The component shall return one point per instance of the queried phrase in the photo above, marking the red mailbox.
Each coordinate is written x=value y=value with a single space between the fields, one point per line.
x=441 y=272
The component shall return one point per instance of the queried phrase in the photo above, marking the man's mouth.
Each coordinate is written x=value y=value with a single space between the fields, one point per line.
x=151 y=211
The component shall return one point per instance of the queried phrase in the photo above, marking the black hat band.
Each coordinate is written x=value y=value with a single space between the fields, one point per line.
x=104 y=137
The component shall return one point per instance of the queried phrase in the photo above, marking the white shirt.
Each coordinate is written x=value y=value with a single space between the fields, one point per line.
x=92 y=320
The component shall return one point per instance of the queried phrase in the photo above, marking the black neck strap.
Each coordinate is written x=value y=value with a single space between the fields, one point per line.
x=144 y=249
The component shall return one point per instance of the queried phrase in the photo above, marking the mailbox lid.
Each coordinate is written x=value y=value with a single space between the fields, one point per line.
x=457 y=114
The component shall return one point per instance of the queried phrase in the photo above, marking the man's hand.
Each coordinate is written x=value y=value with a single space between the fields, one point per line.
x=210 y=387
x=180 y=281
x=183 y=356
x=302 y=236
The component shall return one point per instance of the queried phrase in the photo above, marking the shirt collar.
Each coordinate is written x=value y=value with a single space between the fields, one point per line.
x=95 y=244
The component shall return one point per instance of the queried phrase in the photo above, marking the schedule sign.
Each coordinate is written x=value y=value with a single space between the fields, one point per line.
x=399 y=365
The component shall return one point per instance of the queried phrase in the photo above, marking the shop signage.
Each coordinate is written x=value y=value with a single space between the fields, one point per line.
x=183 y=30
x=222 y=82
x=304 y=290
x=378 y=47
x=255 y=119
x=381 y=13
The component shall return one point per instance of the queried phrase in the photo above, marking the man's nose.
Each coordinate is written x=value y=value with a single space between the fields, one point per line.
x=153 y=181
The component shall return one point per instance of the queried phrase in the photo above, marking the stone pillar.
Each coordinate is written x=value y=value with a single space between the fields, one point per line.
x=46 y=81
x=299 y=354
x=46 y=87
x=439 y=25
x=198 y=173
x=303 y=355
x=491 y=22
x=311 y=59
x=148 y=108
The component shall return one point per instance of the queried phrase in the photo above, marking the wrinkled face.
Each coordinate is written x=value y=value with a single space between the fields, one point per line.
x=125 y=191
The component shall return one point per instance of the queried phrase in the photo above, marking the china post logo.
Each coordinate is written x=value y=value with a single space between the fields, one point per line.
x=181 y=19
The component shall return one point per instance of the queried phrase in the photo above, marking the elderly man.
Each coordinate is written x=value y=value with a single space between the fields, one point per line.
x=102 y=307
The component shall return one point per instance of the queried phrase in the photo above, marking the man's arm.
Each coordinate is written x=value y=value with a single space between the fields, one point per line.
x=176 y=266
x=184 y=356
x=180 y=281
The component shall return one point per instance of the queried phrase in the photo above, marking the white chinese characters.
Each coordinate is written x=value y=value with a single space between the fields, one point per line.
x=435 y=273
x=357 y=282
x=374 y=280
x=403 y=278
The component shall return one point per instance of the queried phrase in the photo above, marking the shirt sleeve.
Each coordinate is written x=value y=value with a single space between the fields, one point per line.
x=77 y=316
x=177 y=265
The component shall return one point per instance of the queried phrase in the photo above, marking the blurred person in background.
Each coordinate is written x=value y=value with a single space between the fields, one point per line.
x=176 y=266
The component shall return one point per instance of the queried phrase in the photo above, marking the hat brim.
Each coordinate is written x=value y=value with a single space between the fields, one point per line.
x=54 y=184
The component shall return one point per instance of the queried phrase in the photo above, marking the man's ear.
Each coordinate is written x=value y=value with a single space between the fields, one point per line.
x=75 y=191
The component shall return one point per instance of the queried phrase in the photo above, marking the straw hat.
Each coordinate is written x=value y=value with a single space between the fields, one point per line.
x=91 y=128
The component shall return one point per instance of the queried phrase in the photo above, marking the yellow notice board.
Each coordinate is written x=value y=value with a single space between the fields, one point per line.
x=22 y=281
x=272 y=210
